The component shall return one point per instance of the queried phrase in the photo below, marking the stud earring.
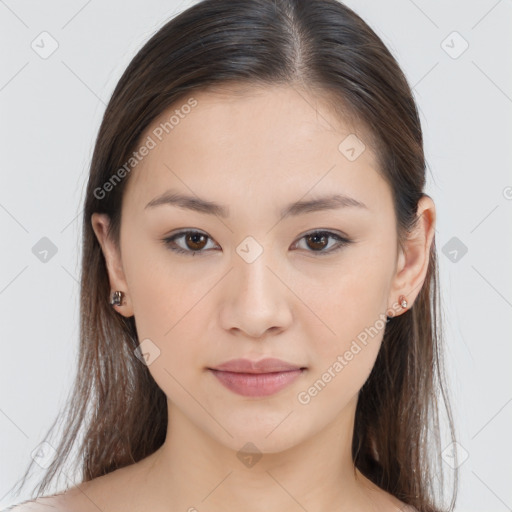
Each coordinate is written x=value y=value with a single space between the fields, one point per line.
x=402 y=301
x=117 y=298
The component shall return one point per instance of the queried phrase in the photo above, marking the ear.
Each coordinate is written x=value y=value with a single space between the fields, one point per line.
x=414 y=258
x=100 y=223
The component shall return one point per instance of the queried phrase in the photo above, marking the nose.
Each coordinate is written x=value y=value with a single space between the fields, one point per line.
x=256 y=300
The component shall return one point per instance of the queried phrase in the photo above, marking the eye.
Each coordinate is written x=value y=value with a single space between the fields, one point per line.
x=196 y=241
x=319 y=240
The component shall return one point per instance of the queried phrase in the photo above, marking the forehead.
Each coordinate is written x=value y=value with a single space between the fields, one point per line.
x=257 y=140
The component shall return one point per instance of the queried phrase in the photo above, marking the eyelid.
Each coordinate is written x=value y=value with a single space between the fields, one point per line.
x=342 y=240
x=168 y=240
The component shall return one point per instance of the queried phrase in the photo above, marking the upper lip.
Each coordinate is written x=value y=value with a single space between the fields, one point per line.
x=268 y=365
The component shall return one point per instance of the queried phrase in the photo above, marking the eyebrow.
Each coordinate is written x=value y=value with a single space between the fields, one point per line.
x=331 y=202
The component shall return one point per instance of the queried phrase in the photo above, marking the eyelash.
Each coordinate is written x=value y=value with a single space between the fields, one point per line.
x=341 y=242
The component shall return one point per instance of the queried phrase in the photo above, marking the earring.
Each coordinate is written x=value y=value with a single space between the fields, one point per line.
x=117 y=298
x=402 y=301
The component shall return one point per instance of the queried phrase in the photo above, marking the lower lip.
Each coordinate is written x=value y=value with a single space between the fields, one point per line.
x=256 y=384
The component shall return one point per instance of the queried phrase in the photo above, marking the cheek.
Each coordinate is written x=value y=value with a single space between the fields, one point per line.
x=352 y=309
x=342 y=362
x=166 y=308
x=158 y=301
x=162 y=291
x=169 y=304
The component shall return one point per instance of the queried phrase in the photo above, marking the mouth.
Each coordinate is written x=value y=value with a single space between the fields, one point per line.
x=267 y=365
x=257 y=378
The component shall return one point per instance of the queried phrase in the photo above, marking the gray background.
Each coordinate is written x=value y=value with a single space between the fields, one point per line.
x=50 y=113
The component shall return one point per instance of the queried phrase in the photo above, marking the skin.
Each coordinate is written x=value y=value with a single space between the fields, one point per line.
x=255 y=152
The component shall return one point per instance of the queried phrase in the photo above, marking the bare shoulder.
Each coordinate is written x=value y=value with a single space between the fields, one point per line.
x=75 y=499
x=407 y=508
x=399 y=506
x=43 y=504
x=117 y=490
x=114 y=491
x=383 y=500
x=403 y=507
x=83 y=497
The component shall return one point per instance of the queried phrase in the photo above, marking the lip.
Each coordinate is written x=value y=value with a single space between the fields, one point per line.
x=256 y=378
x=267 y=365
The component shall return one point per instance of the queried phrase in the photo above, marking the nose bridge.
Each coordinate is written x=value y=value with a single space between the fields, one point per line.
x=258 y=301
x=256 y=280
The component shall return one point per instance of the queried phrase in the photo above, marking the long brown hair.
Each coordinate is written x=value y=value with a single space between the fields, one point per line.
x=115 y=408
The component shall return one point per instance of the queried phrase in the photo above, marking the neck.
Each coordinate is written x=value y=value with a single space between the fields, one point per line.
x=192 y=470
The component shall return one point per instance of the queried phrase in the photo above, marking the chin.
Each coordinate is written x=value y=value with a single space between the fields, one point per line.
x=264 y=435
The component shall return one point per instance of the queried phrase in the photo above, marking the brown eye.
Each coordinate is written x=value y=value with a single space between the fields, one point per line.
x=195 y=241
x=191 y=242
x=317 y=241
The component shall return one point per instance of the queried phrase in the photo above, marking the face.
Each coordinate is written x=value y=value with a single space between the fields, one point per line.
x=312 y=287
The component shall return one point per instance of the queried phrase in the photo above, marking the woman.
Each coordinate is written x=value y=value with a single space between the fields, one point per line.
x=259 y=305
